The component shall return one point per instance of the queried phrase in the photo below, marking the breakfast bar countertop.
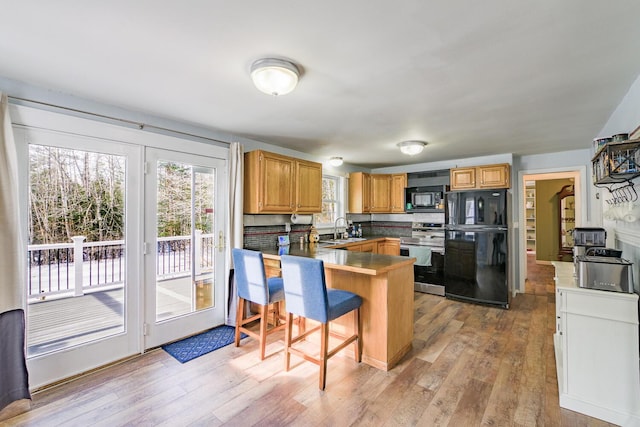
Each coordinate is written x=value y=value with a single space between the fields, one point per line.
x=385 y=283
x=357 y=262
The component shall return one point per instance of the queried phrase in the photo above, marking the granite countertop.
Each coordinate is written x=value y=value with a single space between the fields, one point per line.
x=339 y=259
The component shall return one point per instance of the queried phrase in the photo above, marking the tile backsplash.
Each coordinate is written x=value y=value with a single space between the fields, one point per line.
x=257 y=236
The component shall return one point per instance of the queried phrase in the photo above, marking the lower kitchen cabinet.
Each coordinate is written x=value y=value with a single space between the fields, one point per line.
x=597 y=350
x=363 y=247
x=389 y=247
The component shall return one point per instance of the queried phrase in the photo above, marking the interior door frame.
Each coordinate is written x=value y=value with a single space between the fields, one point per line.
x=158 y=333
x=579 y=173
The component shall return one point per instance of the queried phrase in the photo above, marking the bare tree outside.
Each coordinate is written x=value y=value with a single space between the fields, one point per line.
x=75 y=193
x=80 y=193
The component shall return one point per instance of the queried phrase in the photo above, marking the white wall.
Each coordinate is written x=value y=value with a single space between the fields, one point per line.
x=626 y=117
x=625 y=235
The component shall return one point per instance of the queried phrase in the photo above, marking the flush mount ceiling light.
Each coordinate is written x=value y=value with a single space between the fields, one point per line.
x=411 y=147
x=274 y=76
x=335 y=161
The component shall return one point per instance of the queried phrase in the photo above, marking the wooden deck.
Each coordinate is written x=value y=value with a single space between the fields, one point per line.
x=470 y=365
x=54 y=324
x=60 y=323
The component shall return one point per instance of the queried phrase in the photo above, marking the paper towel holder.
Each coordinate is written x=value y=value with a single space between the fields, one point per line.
x=301 y=219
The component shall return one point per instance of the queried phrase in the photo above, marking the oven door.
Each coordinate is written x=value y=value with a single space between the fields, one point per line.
x=432 y=277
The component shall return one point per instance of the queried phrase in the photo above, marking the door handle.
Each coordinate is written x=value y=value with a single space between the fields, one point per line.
x=220 y=241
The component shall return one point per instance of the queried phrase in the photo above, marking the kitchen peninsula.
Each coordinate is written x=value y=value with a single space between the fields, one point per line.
x=385 y=284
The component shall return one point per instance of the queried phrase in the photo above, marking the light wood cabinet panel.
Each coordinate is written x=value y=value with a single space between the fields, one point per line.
x=272 y=268
x=480 y=177
x=359 y=192
x=463 y=178
x=389 y=247
x=363 y=247
x=398 y=184
x=308 y=187
x=369 y=247
x=380 y=193
x=278 y=184
x=494 y=176
x=268 y=182
x=376 y=193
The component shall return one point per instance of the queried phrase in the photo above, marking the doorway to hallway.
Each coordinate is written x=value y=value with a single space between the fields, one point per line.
x=546 y=225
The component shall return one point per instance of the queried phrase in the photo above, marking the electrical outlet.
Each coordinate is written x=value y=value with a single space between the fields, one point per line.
x=287 y=227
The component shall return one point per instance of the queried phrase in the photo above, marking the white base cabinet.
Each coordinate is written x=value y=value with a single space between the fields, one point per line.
x=597 y=350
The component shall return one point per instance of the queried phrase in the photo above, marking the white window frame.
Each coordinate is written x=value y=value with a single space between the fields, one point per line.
x=340 y=202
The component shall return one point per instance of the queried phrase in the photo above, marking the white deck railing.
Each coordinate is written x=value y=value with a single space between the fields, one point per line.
x=74 y=268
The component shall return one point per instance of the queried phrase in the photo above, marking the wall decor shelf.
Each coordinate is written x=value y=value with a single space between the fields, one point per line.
x=616 y=163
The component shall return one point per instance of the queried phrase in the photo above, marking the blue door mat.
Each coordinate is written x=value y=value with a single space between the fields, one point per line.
x=203 y=343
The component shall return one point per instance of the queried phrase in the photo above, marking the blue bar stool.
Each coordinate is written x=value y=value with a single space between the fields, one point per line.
x=307 y=296
x=252 y=285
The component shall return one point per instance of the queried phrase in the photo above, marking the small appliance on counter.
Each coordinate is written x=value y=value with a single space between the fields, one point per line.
x=587 y=237
x=599 y=267
x=606 y=273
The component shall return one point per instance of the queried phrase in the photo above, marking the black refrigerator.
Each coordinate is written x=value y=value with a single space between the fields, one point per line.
x=476 y=253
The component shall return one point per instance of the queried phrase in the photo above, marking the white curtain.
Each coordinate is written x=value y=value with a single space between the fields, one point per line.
x=235 y=231
x=13 y=370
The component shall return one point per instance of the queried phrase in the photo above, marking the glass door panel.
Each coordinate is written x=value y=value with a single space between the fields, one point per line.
x=185 y=272
x=184 y=268
x=78 y=206
x=76 y=249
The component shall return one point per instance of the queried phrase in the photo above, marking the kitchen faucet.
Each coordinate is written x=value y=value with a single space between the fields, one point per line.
x=335 y=226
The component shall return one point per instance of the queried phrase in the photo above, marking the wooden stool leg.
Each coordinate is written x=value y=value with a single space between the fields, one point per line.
x=276 y=313
x=358 y=342
x=239 y=318
x=264 y=319
x=287 y=341
x=324 y=343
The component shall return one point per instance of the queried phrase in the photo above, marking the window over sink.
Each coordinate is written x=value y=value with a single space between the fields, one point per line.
x=333 y=201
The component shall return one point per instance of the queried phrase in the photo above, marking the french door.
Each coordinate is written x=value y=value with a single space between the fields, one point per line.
x=125 y=247
x=81 y=198
x=183 y=244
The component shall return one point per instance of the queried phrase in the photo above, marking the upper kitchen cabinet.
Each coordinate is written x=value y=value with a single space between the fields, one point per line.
x=479 y=177
x=277 y=184
x=359 y=192
x=376 y=193
x=398 y=184
x=463 y=178
x=308 y=181
x=380 y=193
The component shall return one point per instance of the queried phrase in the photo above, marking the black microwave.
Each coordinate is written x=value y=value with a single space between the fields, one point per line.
x=423 y=199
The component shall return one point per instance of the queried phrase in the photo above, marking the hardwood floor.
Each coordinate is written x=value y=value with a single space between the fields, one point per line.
x=470 y=365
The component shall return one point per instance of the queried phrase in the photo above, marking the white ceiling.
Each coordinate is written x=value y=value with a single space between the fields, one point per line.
x=471 y=77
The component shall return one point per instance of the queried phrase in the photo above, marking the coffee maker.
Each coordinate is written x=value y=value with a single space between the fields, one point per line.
x=585 y=238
